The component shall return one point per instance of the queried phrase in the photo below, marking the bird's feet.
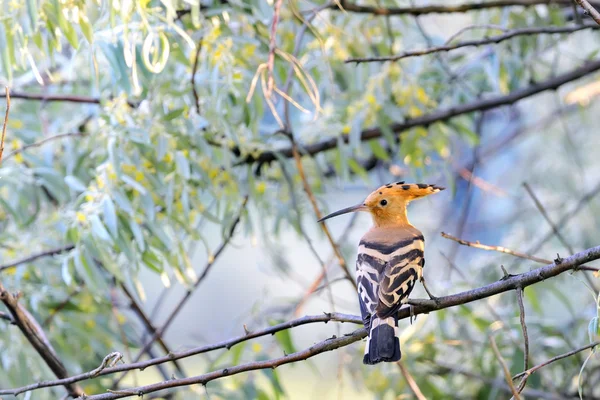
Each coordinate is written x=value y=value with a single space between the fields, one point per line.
x=431 y=296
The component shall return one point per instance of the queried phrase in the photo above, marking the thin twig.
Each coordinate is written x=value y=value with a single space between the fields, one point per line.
x=418 y=307
x=70 y=98
x=553 y=359
x=590 y=10
x=554 y=227
x=472 y=27
x=319 y=215
x=525 y=337
x=475 y=42
x=194 y=69
x=273 y=47
x=544 y=213
x=61 y=305
x=5 y=122
x=160 y=331
x=495 y=248
x=412 y=384
x=42 y=142
x=504 y=368
x=138 y=310
x=34 y=257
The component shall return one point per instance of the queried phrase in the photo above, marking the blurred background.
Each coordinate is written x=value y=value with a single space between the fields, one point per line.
x=137 y=129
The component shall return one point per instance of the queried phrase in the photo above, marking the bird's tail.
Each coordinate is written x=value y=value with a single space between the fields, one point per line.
x=382 y=342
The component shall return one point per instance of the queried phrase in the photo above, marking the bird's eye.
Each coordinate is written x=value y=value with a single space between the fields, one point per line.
x=383 y=202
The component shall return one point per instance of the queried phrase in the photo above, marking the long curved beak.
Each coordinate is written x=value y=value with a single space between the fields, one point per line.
x=358 y=207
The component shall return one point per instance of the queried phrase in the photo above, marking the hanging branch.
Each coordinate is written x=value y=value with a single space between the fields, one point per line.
x=475 y=42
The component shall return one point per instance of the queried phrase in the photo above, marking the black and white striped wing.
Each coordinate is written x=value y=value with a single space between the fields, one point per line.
x=386 y=274
x=368 y=271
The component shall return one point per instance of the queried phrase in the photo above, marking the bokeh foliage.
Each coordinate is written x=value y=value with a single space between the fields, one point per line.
x=147 y=171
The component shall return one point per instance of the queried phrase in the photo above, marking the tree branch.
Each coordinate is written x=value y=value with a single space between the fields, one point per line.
x=476 y=42
x=43 y=141
x=500 y=249
x=70 y=98
x=228 y=344
x=531 y=370
x=428 y=119
x=188 y=294
x=504 y=368
x=525 y=337
x=137 y=309
x=35 y=335
x=589 y=9
x=418 y=307
x=444 y=9
x=33 y=257
x=412 y=384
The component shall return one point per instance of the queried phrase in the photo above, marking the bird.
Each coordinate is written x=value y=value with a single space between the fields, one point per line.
x=390 y=261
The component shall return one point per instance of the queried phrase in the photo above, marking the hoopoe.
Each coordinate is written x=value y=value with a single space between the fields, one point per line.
x=390 y=261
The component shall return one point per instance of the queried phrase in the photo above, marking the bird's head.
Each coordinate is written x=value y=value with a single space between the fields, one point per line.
x=387 y=205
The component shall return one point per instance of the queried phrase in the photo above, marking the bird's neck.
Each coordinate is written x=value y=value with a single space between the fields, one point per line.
x=397 y=218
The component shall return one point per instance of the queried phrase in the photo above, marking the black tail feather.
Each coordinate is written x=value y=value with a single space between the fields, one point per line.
x=383 y=343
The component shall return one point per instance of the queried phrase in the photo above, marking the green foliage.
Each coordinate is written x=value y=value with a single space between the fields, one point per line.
x=148 y=172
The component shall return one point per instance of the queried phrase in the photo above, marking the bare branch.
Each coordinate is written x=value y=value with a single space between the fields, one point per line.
x=34 y=333
x=476 y=42
x=504 y=368
x=531 y=370
x=70 y=98
x=589 y=9
x=61 y=306
x=5 y=123
x=188 y=294
x=326 y=345
x=444 y=9
x=418 y=307
x=500 y=249
x=319 y=215
x=43 y=141
x=525 y=337
x=428 y=119
x=544 y=213
x=411 y=381
x=34 y=257
x=228 y=344
x=137 y=309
